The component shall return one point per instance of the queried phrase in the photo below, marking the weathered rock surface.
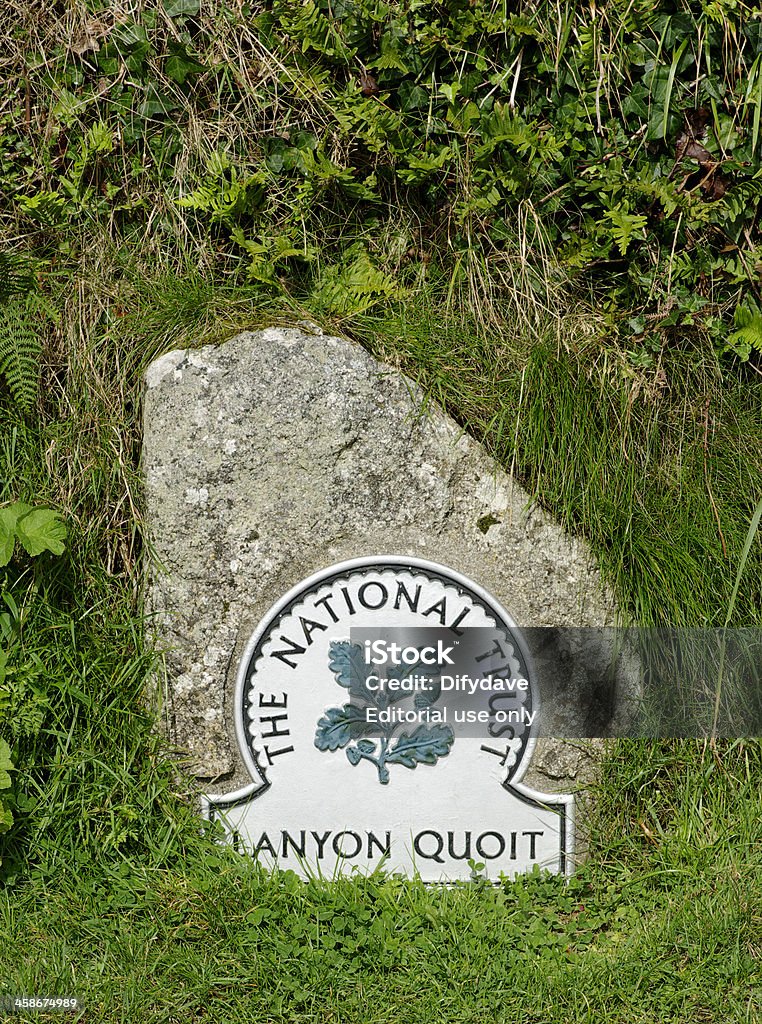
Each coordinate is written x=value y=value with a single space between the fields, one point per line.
x=282 y=452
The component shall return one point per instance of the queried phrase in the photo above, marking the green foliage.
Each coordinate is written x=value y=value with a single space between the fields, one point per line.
x=36 y=529
x=353 y=286
x=748 y=334
x=6 y=764
x=673 y=898
x=23 y=322
x=611 y=449
x=20 y=348
x=24 y=700
x=388 y=164
x=16 y=275
x=629 y=135
x=224 y=195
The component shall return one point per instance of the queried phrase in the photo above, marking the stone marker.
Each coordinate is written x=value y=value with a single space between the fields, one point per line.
x=270 y=462
x=356 y=759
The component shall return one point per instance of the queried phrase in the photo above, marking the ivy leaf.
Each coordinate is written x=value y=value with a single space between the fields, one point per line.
x=412 y=97
x=155 y=104
x=425 y=745
x=181 y=8
x=180 y=64
x=41 y=530
x=340 y=725
x=128 y=38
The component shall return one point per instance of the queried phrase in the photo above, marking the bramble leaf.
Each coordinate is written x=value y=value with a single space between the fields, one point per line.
x=9 y=517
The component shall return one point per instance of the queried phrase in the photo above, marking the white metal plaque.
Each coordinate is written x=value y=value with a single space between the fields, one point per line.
x=368 y=742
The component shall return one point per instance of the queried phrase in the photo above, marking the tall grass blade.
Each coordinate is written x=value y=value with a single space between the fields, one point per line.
x=756 y=70
x=670 y=83
x=753 y=527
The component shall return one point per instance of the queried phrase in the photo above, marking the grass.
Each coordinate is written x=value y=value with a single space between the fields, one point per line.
x=659 y=469
x=664 y=926
x=111 y=891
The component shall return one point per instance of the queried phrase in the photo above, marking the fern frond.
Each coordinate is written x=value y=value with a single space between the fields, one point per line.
x=47 y=208
x=21 y=326
x=390 y=61
x=16 y=275
x=355 y=287
x=743 y=199
x=748 y=336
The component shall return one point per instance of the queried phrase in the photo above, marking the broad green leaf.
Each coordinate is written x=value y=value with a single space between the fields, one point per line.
x=155 y=104
x=9 y=517
x=178 y=68
x=6 y=819
x=5 y=765
x=108 y=65
x=180 y=64
x=128 y=38
x=412 y=97
x=41 y=530
x=7 y=536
